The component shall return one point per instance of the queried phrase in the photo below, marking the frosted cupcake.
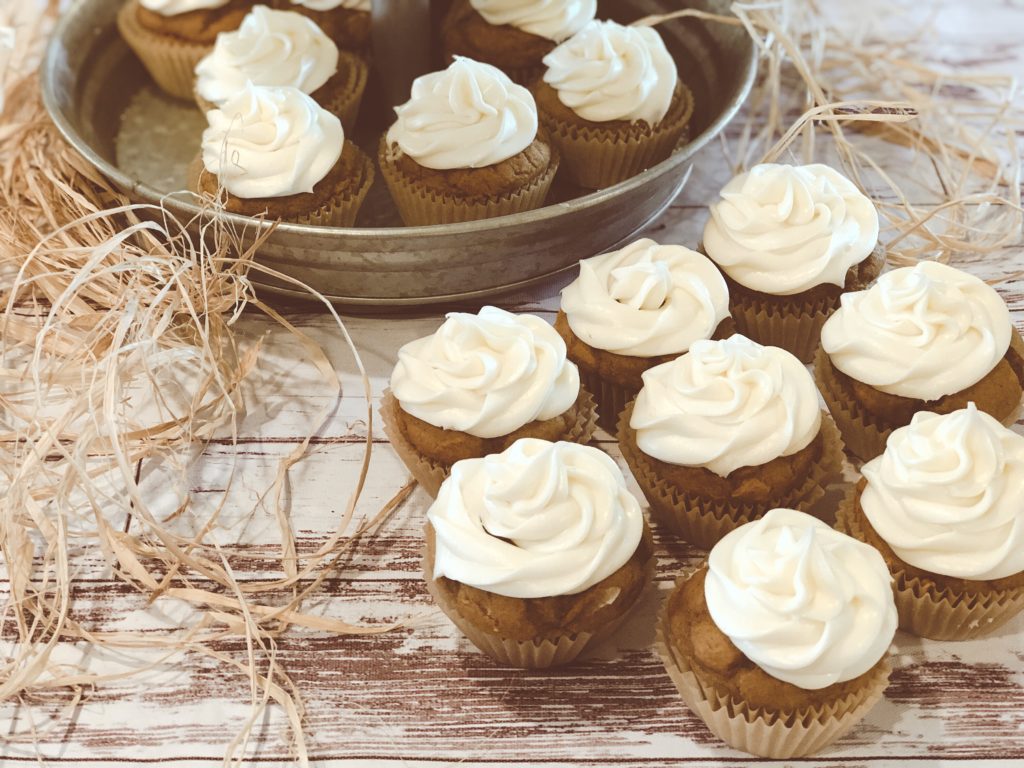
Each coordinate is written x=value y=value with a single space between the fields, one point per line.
x=476 y=386
x=276 y=153
x=465 y=147
x=171 y=36
x=280 y=48
x=779 y=642
x=790 y=240
x=537 y=552
x=726 y=432
x=925 y=338
x=513 y=35
x=347 y=22
x=612 y=102
x=635 y=308
x=945 y=506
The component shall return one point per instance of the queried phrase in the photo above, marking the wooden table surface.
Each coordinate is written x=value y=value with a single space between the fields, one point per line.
x=422 y=695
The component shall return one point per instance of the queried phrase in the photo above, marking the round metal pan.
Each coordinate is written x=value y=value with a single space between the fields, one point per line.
x=103 y=102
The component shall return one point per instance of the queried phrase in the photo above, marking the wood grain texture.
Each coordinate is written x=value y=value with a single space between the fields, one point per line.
x=422 y=695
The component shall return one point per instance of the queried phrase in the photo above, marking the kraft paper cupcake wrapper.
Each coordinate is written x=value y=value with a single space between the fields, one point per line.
x=611 y=399
x=170 y=62
x=862 y=438
x=430 y=473
x=527 y=654
x=798 y=333
x=703 y=521
x=419 y=206
x=929 y=610
x=777 y=735
x=599 y=158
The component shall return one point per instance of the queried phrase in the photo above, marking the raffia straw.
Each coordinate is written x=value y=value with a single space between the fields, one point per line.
x=823 y=79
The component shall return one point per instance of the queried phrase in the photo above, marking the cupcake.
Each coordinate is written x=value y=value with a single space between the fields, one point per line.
x=276 y=153
x=945 y=506
x=726 y=432
x=635 y=308
x=171 y=36
x=512 y=35
x=476 y=386
x=612 y=102
x=925 y=338
x=280 y=48
x=537 y=552
x=346 y=22
x=790 y=240
x=778 y=642
x=465 y=147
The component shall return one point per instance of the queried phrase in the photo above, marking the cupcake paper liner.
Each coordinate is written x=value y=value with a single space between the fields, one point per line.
x=798 y=332
x=929 y=610
x=597 y=158
x=778 y=735
x=611 y=399
x=337 y=212
x=419 y=205
x=527 y=654
x=430 y=473
x=862 y=438
x=170 y=62
x=703 y=521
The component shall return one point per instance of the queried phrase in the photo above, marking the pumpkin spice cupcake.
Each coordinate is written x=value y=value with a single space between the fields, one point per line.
x=280 y=48
x=790 y=240
x=512 y=35
x=476 y=386
x=635 y=308
x=276 y=153
x=537 y=552
x=724 y=433
x=465 y=147
x=778 y=643
x=171 y=36
x=346 y=22
x=612 y=102
x=945 y=506
x=924 y=338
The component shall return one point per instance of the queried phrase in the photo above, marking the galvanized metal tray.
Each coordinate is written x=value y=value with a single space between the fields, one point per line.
x=104 y=103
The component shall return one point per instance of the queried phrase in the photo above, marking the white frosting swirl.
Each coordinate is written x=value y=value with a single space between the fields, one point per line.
x=611 y=72
x=178 y=7
x=924 y=332
x=806 y=603
x=271 y=142
x=539 y=519
x=330 y=5
x=948 y=495
x=269 y=48
x=646 y=300
x=726 y=404
x=554 y=19
x=467 y=116
x=486 y=374
x=784 y=229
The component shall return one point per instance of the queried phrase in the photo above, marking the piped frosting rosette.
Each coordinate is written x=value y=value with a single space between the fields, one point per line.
x=730 y=407
x=539 y=520
x=551 y=19
x=811 y=607
x=625 y=106
x=947 y=498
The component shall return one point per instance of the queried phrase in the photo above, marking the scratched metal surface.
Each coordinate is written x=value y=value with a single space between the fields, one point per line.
x=423 y=696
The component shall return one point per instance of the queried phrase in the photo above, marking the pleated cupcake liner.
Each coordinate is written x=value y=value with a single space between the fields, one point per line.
x=798 y=332
x=419 y=205
x=927 y=609
x=777 y=735
x=340 y=211
x=596 y=158
x=527 y=654
x=611 y=399
x=430 y=473
x=170 y=62
x=862 y=437
x=703 y=521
